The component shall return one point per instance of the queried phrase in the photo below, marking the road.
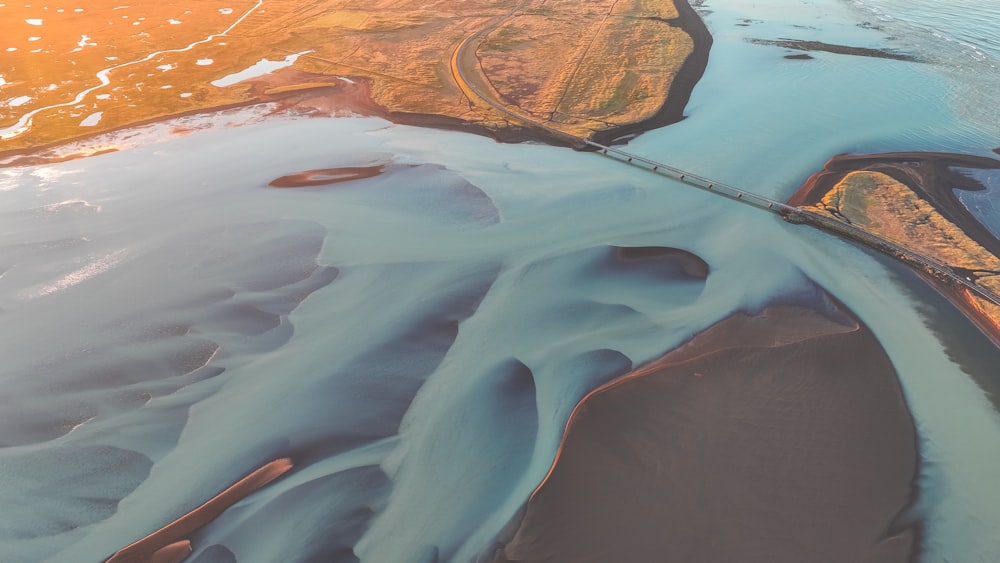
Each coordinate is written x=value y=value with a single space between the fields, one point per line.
x=789 y=213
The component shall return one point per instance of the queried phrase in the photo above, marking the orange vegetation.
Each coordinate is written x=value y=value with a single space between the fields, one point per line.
x=882 y=205
x=586 y=65
x=167 y=545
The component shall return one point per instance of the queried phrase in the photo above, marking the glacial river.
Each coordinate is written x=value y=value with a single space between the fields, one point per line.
x=170 y=323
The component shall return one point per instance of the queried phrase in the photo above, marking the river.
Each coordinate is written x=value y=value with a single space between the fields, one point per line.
x=171 y=323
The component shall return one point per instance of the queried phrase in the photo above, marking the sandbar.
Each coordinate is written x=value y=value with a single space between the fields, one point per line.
x=167 y=543
x=783 y=436
x=803 y=45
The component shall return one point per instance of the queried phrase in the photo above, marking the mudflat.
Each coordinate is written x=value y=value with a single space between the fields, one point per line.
x=777 y=437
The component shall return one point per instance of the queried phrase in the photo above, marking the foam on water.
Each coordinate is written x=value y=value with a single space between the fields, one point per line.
x=985 y=204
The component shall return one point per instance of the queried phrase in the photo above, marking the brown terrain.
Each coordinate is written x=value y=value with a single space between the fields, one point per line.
x=909 y=198
x=780 y=437
x=168 y=544
x=582 y=67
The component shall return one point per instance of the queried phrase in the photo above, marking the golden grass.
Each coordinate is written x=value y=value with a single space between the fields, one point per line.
x=879 y=204
x=609 y=63
x=588 y=65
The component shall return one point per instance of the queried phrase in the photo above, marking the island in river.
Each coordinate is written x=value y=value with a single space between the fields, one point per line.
x=909 y=198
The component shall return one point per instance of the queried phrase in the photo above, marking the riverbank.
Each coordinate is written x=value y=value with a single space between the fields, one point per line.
x=682 y=86
x=909 y=198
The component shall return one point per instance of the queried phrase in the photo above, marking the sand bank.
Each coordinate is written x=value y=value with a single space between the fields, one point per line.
x=167 y=543
x=930 y=175
x=325 y=176
x=782 y=437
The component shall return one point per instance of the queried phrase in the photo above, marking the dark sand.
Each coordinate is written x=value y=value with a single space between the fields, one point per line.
x=325 y=176
x=802 y=45
x=167 y=545
x=930 y=175
x=689 y=263
x=780 y=438
x=173 y=553
x=680 y=90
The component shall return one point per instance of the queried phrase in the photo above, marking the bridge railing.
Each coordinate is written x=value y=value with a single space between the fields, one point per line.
x=693 y=179
x=795 y=215
x=789 y=213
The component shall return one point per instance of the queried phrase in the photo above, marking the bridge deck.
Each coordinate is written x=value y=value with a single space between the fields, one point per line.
x=787 y=212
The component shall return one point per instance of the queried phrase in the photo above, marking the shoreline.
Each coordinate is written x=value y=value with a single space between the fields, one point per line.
x=355 y=97
x=930 y=177
x=170 y=543
x=359 y=103
x=681 y=88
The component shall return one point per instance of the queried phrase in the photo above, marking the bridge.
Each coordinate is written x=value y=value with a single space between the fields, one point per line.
x=461 y=57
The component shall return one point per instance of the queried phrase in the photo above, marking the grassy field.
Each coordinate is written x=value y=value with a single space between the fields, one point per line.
x=880 y=204
x=583 y=66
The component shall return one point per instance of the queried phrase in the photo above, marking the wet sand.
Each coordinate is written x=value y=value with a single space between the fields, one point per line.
x=689 y=263
x=325 y=176
x=167 y=545
x=803 y=45
x=782 y=437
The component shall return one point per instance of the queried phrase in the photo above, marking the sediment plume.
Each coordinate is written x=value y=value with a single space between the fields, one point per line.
x=325 y=176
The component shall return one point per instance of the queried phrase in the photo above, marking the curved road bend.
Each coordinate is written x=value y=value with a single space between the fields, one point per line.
x=789 y=213
x=473 y=93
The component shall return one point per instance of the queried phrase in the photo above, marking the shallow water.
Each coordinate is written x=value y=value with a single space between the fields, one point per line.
x=416 y=340
x=961 y=37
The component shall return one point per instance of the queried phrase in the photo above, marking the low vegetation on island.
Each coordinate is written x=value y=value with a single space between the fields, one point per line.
x=908 y=198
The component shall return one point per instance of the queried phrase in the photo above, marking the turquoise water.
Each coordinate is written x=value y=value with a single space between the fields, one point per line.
x=763 y=122
x=417 y=340
x=961 y=38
